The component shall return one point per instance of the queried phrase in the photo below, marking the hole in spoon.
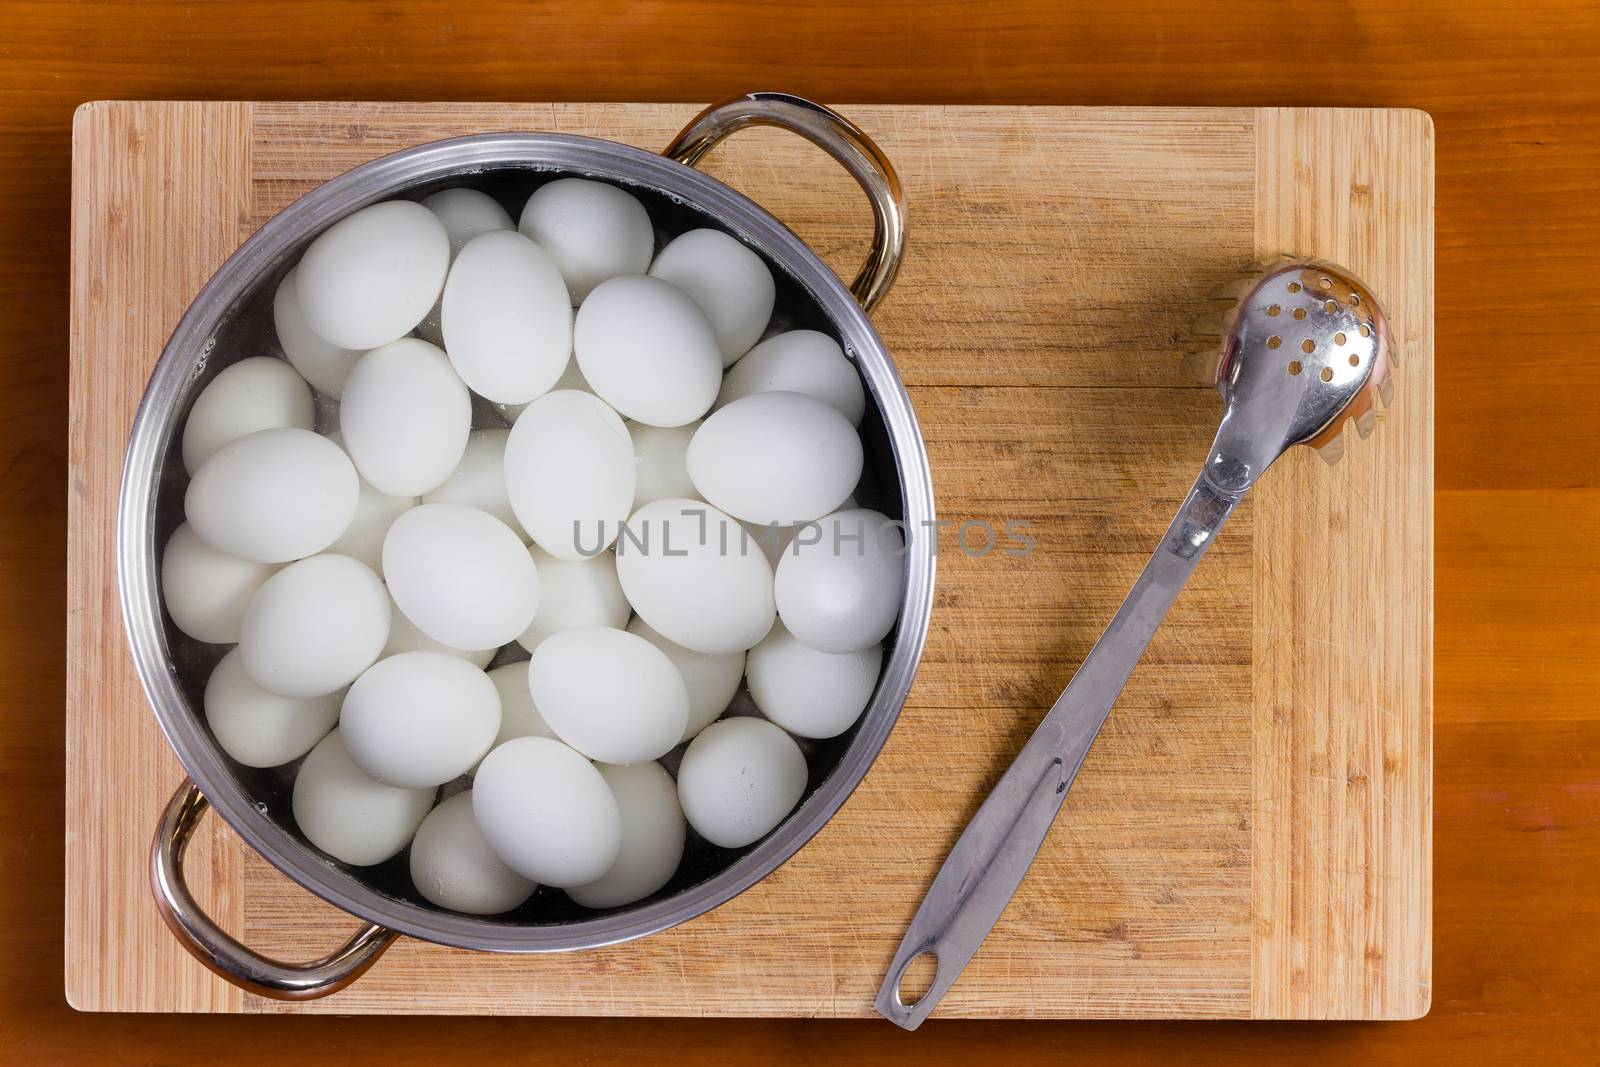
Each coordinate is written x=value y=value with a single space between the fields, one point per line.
x=1294 y=366
x=1274 y=341
x=917 y=978
x=1327 y=374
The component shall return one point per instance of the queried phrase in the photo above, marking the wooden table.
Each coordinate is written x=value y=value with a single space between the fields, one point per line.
x=1517 y=826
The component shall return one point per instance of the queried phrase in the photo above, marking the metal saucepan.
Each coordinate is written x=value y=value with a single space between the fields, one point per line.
x=231 y=319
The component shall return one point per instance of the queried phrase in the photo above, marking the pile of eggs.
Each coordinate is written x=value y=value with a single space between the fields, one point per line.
x=538 y=551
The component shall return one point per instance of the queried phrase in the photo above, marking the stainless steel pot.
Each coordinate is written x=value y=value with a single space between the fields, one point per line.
x=230 y=320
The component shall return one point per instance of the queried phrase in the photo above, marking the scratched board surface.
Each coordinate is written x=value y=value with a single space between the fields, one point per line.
x=1251 y=835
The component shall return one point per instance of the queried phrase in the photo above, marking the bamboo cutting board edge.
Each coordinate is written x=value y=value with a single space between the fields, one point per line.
x=1331 y=919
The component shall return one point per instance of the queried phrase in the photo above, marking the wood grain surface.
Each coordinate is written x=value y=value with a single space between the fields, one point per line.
x=1251 y=837
x=1511 y=91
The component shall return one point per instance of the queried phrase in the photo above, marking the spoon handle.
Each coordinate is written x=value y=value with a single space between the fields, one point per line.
x=982 y=872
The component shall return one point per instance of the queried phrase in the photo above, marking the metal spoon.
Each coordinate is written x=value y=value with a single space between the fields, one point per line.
x=1306 y=349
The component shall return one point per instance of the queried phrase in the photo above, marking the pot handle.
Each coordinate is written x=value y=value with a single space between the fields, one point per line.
x=212 y=946
x=841 y=139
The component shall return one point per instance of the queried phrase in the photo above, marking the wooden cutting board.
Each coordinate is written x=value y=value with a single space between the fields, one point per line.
x=1251 y=836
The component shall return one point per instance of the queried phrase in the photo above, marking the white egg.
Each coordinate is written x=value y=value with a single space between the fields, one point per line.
x=260 y=393
x=546 y=812
x=507 y=321
x=375 y=513
x=405 y=417
x=465 y=214
x=569 y=473
x=776 y=457
x=518 y=716
x=608 y=693
x=453 y=866
x=800 y=361
x=575 y=593
x=273 y=496
x=314 y=626
x=661 y=455
x=370 y=277
x=206 y=592
x=592 y=230
x=648 y=351
x=838 y=587
x=811 y=693
x=348 y=814
x=711 y=679
x=693 y=574
x=419 y=719
x=740 y=778
x=262 y=729
x=652 y=837
x=461 y=575
x=319 y=362
x=405 y=637
x=731 y=284
x=480 y=479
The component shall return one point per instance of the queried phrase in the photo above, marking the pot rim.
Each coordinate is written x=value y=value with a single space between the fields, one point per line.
x=184 y=356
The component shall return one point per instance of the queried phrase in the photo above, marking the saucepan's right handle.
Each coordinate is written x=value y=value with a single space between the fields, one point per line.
x=212 y=946
x=841 y=139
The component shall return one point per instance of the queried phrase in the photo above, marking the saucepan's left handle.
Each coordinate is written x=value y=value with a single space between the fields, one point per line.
x=214 y=947
x=841 y=139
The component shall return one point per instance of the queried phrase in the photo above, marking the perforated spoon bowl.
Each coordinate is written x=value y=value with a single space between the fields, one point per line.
x=1304 y=351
